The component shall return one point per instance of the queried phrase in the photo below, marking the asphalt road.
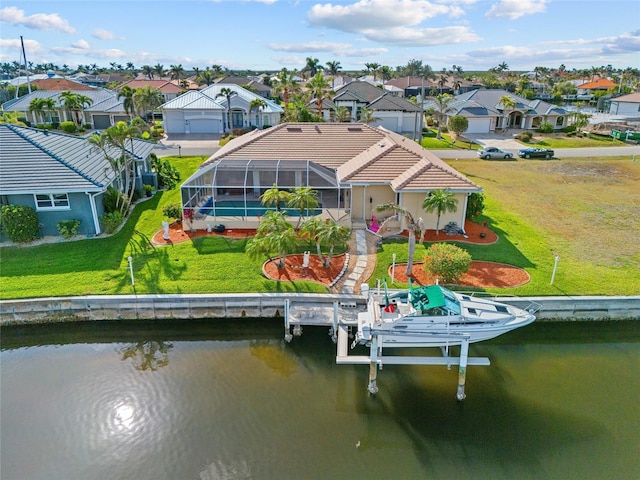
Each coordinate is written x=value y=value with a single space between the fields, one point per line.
x=560 y=152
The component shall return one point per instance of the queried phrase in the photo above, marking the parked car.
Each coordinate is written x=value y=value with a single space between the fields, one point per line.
x=490 y=153
x=535 y=153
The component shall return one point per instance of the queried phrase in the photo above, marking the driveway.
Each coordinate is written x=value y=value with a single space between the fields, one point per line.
x=188 y=145
x=503 y=142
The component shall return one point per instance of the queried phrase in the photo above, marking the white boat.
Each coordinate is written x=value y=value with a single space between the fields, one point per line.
x=433 y=316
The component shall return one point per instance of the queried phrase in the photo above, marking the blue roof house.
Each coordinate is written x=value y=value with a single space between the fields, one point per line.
x=61 y=176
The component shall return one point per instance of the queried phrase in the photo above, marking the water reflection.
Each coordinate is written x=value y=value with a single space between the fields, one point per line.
x=147 y=355
x=274 y=355
x=221 y=471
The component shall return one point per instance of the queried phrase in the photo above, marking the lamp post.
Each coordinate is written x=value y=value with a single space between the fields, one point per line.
x=179 y=151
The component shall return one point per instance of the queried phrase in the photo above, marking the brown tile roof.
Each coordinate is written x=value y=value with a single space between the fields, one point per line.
x=60 y=84
x=165 y=86
x=358 y=153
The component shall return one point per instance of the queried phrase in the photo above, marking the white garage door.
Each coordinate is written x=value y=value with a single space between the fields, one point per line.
x=205 y=125
x=479 y=125
x=389 y=123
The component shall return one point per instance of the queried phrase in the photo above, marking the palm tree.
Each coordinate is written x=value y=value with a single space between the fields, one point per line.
x=343 y=114
x=320 y=90
x=312 y=67
x=302 y=198
x=332 y=235
x=385 y=73
x=256 y=104
x=367 y=116
x=41 y=105
x=147 y=99
x=227 y=93
x=276 y=197
x=441 y=110
x=176 y=71
x=286 y=85
x=442 y=81
x=275 y=234
x=508 y=105
x=75 y=103
x=129 y=105
x=373 y=69
x=333 y=68
x=148 y=71
x=413 y=227
x=442 y=201
x=158 y=69
x=207 y=77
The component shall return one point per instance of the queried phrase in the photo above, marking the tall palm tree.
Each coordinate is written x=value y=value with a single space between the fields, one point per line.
x=441 y=110
x=207 y=77
x=75 y=103
x=413 y=227
x=508 y=105
x=176 y=72
x=146 y=99
x=256 y=104
x=312 y=67
x=302 y=198
x=128 y=103
x=286 y=85
x=333 y=68
x=227 y=93
x=373 y=69
x=385 y=73
x=320 y=91
x=148 y=71
x=39 y=106
x=158 y=69
x=441 y=201
x=275 y=196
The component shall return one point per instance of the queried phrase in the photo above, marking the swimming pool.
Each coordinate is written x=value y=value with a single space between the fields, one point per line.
x=254 y=208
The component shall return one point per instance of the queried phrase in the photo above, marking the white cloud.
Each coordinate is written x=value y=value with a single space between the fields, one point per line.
x=13 y=44
x=423 y=36
x=375 y=14
x=309 y=47
x=38 y=21
x=81 y=44
x=103 y=34
x=513 y=9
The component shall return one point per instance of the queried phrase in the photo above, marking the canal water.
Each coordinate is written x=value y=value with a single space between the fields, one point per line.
x=231 y=400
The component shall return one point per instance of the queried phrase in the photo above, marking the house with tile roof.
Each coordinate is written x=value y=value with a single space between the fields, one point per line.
x=205 y=111
x=352 y=166
x=105 y=110
x=390 y=111
x=62 y=177
x=168 y=89
x=252 y=84
x=485 y=112
x=627 y=105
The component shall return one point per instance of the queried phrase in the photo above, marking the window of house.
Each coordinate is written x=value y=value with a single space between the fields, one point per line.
x=559 y=121
x=52 y=201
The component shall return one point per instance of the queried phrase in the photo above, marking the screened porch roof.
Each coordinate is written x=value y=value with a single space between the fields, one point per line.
x=284 y=173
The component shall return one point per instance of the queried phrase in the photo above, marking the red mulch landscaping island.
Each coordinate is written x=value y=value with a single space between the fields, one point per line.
x=481 y=274
x=293 y=269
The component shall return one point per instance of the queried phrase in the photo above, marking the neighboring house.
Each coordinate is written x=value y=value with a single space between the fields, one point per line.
x=486 y=114
x=628 y=105
x=586 y=91
x=105 y=110
x=168 y=89
x=205 y=111
x=60 y=85
x=61 y=176
x=253 y=84
x=414 y=86
x=390 y=111
x=99 y=80
x=353 y=167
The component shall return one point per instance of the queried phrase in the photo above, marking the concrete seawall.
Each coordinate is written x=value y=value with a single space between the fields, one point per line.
x=265 y=305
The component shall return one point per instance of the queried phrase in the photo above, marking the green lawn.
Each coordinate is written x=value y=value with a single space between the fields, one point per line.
x=587 y=211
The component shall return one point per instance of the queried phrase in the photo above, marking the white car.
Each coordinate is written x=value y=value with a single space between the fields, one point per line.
x=490 y=153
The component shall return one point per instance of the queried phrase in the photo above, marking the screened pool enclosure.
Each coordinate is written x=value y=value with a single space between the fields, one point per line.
x=230 y=189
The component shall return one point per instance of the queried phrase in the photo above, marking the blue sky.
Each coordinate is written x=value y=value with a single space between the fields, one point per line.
x=271 y=34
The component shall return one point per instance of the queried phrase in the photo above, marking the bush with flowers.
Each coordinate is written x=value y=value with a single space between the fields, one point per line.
x=446 y=262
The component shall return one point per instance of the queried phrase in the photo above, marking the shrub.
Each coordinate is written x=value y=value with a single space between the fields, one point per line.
x=112 y=198
x=69 y=127
x=569 y=129
x=545 y=127
x=111 y=221
x=524 y=136
x=475 y=205
x=68 y=228
x=447 y=262
x=172 y=211
x=168 y=176
x=19 y=223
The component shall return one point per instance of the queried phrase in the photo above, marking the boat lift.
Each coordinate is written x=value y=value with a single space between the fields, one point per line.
x=340 y=317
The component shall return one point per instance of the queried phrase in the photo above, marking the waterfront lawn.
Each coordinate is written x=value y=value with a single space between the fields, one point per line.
x=586 y=211
x=100 y=265
x=575 y=142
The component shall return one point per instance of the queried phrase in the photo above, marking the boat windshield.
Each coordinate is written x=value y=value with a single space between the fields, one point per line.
x=435 y=300
x=451 y=302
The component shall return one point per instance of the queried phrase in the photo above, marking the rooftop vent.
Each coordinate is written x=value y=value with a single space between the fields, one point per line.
x=294 y=129
x=354 y=129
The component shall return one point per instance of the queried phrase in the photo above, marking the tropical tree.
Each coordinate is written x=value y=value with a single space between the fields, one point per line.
x=458 y=124
x=227 y=93
x=275 y=196
x=75 y=103
x=146 y=99
x=256 y=104
x=508 y=105
x=320 y=91
x=367 y=116
x=332 y=235
x=372 y=68
x=441 y=109
x=148 y=71
x=343 y=114
x=413 y=226
x=41 y=105
x=158 y=69
x=302 y=198
x=312 y=67
x=441 y=201
x=385 y=73
x=207 y=77
x=11 y=118
x=286 y=85
x=127 y=93
x=176 y=71
x=333 y=68
x=277 y=236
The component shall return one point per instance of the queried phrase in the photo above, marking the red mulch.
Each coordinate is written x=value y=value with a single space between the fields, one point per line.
x=178 y=235
x=293 y=270
x=473 y=231
x=481 y=274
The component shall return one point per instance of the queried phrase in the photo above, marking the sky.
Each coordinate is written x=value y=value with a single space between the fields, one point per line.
x=264 y=35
